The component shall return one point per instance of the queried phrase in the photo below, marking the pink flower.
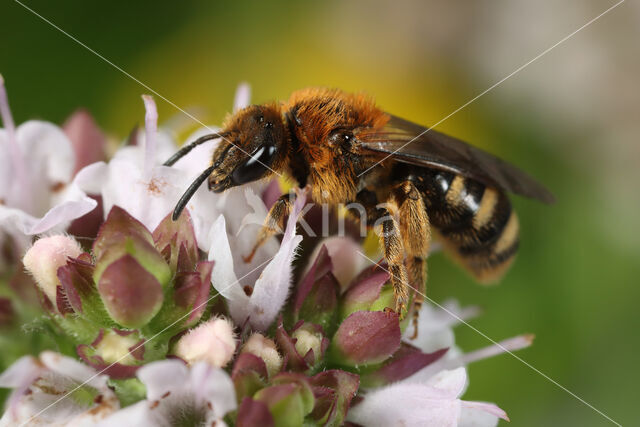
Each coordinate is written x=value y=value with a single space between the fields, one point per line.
x=271 y=289
x=134 y=179
x=39 y=383
x=434 y=403
x=179 y=395
x=37 y=193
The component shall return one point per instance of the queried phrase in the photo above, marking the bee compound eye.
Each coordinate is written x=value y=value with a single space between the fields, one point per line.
x=255 y=166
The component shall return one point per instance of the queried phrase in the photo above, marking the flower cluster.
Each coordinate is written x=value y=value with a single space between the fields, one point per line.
x=161 y=322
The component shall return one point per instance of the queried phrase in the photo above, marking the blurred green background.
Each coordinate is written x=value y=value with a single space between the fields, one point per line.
x=570 y=119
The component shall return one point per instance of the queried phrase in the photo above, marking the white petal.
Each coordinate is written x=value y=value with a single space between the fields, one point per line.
x=163 y=376
x=165 y=147
x=199 y=158
x=406 y=405
x=18 y=376
x=20 y=371
x=73 y=369
x=47 y=150
x=147 y=201
x=235 y=205
x=57 y=218
x=451 y=382
x=91 y=178
x=271 y=289
x=6 y=171
x=223 y=277
x=435 y=325
x=213 y=385
x=60 y=215
x=481 y=414
x=46 y=404
x=138 y=415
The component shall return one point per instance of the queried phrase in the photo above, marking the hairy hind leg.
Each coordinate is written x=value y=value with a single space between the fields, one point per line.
x=393 y=250
x=416 y=233
x=417 y=268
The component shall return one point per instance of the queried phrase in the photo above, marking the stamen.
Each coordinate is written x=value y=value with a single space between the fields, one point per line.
x=14 y=151
x=5 y=111
x=151 y=129
x=242 y=97
x=511 y=344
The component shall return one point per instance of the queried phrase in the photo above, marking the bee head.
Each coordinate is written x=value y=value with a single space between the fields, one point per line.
x=252 y=149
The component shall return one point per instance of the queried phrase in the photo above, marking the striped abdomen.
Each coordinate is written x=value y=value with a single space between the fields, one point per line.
x=476 y=223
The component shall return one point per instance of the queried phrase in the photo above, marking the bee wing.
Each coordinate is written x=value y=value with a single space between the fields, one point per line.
x=436 y=150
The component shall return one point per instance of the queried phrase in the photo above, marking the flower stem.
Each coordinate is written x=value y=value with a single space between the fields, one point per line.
x=151 y=129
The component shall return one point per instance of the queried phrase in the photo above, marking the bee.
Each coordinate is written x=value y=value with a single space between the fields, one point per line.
x=411 y=181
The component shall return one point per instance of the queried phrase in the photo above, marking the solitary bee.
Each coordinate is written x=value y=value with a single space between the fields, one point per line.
x=410 y=180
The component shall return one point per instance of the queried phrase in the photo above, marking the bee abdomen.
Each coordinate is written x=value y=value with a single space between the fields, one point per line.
x=477 y=224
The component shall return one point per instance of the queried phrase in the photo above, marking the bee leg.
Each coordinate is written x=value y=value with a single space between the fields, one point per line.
x=273 y=223
x=418 y=278
x=416 y=232
x=391 y=243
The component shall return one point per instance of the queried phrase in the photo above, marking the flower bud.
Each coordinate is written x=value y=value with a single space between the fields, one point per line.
x=264 y=348
x=316 y=298
x=212 y=341
x=345 y=258
x=367 y=292
x=122 y=235
x=331 y=408
x=290 y=399
x=308 y=339
x=114 y=347
x=44 y=258
x=176 y=240
x=304 y=348
x=366 y=337
x=130 y=272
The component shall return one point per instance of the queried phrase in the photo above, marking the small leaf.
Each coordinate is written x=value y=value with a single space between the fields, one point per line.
x=179 y=236
x=333 y=390
x=364 y=290
x=287 y=345
x=249 y=375
x=317 y=295
x=366 y=337
x=289 y=400
x=130 y=293
x=405 y=362
x=118 y=226
x=254 y=413
x=320 y=267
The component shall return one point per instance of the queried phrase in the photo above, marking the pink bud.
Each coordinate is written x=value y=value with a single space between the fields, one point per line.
x=44 y=258
x=86 y=137
x=212 y=341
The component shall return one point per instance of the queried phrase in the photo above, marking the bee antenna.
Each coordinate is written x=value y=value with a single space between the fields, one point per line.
x=190 y=192
x=185 y=150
